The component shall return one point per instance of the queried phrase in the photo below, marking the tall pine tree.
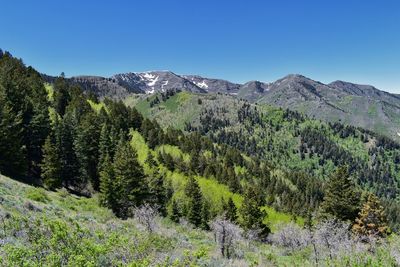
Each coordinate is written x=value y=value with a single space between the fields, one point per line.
x=129 y=189
x=195 y=196
x=341 y=198
x=51 y=166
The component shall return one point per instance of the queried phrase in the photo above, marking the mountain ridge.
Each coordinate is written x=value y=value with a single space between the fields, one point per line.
x=355 y=104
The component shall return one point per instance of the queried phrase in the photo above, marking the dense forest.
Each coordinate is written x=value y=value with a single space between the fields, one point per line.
x=266 y=160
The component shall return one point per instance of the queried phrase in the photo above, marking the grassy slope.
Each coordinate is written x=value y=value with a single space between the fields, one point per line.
x=212 y=190
x=282 y=139
x=39 y=227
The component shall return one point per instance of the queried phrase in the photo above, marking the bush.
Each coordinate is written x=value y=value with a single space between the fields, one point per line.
x=37 y=194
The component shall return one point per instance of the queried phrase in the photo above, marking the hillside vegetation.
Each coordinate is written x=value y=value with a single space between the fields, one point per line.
x=180 y=178
x=303 y=152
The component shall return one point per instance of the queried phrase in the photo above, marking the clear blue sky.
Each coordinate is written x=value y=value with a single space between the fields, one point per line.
x=325 y=40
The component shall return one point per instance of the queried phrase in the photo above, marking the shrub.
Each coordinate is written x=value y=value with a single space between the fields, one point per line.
x=37 y=194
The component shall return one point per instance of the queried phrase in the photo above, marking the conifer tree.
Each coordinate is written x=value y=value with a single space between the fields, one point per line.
x=157 y=192
x=86 y=146
x=61 y=95
x=231 y=210
x=50 y=166
x=107 y=179
x=251 y=211
x=205 y=215
x=105 y=146
x=64 y=135
x=129 y=188
x=371 y=220
x=195 y=196
x=175 y=211
x=341 y=199
x=12 y=154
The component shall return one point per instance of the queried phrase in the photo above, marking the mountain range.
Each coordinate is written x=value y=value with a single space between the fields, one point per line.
x=359 y=105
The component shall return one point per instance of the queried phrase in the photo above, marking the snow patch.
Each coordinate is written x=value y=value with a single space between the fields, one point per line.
x=164 y=84
x=152 y=81
x=148 y=76
x=202 y=84
x=398 y=134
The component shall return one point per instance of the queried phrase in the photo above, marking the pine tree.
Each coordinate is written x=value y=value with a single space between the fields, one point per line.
x=64 y=135
x=195 y=196
x=129 y=188
x=371 y=220
x=231 y=210
x=158 y=192
x=107 y=179
x=105 y=146
x=341 y=199
x=50 y=166
x=86 y=146
x=61 y=95
x=251 y=211
x=12 y=153
x=175 y=211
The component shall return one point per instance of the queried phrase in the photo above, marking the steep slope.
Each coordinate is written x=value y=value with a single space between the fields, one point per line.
x=286 y=140
x=44 y=228
x=359 y=105
x=253 y=90
x=213 y=85
x=156 y=81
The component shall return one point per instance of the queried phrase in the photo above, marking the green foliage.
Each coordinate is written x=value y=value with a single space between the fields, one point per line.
x=51 y=166
x=37 y=194
x=230 y=210
x=193 y=192
x=129 y=189
x=175 y=211
x=251 y=212
x=341 y=198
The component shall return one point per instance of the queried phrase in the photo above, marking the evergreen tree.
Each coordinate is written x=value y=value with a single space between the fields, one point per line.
x=341 y=199
x=195 y=196
x=12 y=153
x=371 y=220
x=107 y=187
x=51 y=167
x=105 y=146
x=205 y=215
x=175 y=211
x=86 y=146
x=61 y=95
x=251 y=211
x=129 y=188
x=64 y=135
x=231 y=210
x=23 y=102
x=158 y=192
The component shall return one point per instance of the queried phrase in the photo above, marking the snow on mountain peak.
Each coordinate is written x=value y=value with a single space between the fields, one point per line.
x=202 y=84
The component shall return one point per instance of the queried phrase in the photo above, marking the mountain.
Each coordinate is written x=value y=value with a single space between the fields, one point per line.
x=122 y=85
x=156 y=81
x=359 y=105
x=214 y=85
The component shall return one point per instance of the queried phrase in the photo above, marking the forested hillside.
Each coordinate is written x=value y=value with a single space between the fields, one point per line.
x=249 y=173
x=302 y=153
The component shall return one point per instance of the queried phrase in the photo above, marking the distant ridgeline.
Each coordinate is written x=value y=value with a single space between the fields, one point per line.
x=170 y=145
x=354 y=104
